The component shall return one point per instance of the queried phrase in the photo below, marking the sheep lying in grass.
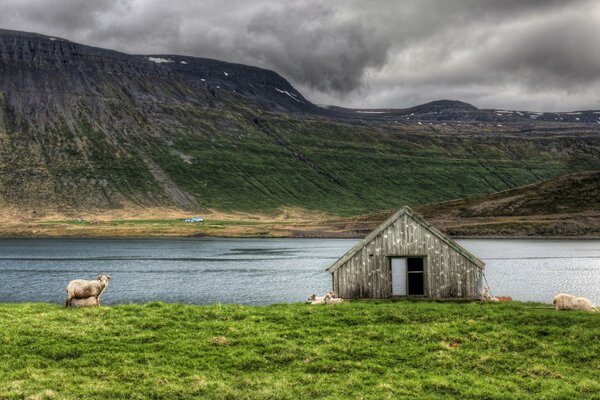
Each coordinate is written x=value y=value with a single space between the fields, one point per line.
x=331 y=299
x=487 y=296
x=564 y=301
x=316 y=300
x=80 y=289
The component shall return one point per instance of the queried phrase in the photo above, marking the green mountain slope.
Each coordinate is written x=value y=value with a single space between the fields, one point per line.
x=91 y=129
x=345 y=168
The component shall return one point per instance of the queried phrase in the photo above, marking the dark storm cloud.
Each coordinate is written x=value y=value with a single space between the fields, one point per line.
x=528 y=54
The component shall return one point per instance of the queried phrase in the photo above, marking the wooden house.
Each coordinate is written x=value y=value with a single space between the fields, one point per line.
x=407 y=256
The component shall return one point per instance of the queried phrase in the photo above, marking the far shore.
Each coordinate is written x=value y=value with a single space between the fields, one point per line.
x=116 y=236
x=286 y=223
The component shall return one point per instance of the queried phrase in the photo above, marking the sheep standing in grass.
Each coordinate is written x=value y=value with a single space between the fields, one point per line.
x=564 y=301
x=80 y=289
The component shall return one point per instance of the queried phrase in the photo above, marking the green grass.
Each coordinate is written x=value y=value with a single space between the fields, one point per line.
x=371 y=350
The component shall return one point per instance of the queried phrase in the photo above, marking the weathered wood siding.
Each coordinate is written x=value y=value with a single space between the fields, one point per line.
x=447 y=273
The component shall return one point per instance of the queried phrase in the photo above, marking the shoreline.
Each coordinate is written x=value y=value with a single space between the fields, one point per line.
x=266 y=237
x=297 y=303
x=289 y=223
x=271 y=237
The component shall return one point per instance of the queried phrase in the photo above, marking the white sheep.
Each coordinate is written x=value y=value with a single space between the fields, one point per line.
x=80 y=289
x=565 y=301
x=314 y=299
x=487 y=296
x=331 y=299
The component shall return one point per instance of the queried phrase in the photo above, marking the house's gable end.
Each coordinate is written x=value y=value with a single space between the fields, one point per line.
x=444 y=238
x=406 y=212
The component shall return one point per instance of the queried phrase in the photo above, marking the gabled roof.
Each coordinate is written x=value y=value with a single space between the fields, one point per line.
x=406 y=210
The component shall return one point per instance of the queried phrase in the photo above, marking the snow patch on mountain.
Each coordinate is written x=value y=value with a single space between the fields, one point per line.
x=159 y=60
x=289 y=94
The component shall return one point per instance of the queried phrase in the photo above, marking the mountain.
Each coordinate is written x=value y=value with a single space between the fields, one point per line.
x=458 y=111
x=87 y=129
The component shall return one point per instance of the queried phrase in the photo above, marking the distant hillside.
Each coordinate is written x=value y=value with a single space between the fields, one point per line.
x=458 y=111
x=564 y=206
x=85 y=129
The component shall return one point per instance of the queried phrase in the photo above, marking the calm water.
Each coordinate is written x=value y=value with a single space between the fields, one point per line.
x=264 y=271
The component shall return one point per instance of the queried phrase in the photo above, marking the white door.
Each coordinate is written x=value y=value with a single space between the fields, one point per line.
x=398 y=276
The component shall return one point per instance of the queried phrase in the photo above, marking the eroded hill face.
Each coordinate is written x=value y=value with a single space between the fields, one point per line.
x=83 y=128
x=564 y=206
x=575 y=193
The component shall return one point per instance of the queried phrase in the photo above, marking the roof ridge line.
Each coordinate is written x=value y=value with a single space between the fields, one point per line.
x=393 y=218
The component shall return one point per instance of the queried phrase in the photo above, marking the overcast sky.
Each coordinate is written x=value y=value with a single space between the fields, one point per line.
x=540 y=55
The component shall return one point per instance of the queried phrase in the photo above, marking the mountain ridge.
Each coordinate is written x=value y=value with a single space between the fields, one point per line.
x=87 y=128
x=181 y=63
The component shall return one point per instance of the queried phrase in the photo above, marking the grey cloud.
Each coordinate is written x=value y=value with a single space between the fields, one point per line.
x=315 y=47
x=530 y=54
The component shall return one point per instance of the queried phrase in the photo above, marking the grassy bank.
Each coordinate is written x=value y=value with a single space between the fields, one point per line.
x=171 y=223
x=357 y=350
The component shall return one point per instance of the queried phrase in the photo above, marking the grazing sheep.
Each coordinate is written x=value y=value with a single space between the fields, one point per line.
x=565 y=301
x=80 y=289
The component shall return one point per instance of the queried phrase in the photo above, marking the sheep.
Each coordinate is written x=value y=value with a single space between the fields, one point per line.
x=86 y=302
x=565 y=301
x=314 y=299
x=80 y=289
x=487 y=296
x=331 y=299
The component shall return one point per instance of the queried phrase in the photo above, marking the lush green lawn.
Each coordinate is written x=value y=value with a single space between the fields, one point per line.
x=357 y=350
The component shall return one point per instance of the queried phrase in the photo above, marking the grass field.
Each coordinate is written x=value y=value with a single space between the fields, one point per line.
x=373 y=350
x=169 y=228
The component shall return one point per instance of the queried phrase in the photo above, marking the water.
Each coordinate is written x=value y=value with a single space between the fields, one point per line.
x=245 y=271
x=537 y=270
x=263 y=271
